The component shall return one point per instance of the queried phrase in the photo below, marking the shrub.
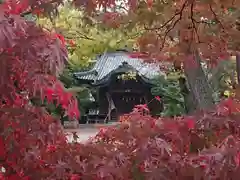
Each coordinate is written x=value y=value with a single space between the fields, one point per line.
x=205 y=146
x=171 y=96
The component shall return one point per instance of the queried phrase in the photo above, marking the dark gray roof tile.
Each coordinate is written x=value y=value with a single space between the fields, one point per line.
x=109 y=62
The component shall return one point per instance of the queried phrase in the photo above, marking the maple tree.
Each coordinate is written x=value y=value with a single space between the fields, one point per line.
x=33 y=145
x=173 y=26
x=31 y=60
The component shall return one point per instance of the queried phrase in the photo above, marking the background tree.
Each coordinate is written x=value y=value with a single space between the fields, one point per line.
x=85 y=41
x=223 y=78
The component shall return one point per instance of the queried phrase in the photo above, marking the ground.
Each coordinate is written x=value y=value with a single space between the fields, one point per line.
x=83 y=133
x=86 y=131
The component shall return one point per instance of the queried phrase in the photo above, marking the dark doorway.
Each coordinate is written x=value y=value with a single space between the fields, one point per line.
x=126 y=101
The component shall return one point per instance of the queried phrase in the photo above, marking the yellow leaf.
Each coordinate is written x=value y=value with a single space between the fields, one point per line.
x=90 y=39
x=112 y=43
x=227 y=93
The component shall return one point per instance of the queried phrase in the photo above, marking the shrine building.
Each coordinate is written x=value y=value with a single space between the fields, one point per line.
x=122 y=82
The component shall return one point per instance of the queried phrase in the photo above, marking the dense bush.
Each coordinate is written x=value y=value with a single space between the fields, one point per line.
x=171 y=96
x=204 y=146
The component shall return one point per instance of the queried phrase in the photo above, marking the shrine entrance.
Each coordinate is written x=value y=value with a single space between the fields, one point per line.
x=121 y=82
x=126 y=101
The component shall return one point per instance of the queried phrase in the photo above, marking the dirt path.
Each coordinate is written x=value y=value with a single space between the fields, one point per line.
x=83 y=133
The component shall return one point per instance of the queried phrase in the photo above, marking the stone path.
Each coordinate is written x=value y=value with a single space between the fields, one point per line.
x=83 y=133
x=86 y=131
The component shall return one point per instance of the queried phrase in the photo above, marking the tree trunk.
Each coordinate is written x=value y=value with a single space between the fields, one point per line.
x=189 y=100
x=238 y=67
x=198 y=84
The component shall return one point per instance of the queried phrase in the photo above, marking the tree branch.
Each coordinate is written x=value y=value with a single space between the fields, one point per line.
x=173 y=24
x=193 y=23
x=215 y=17
x=31 y=8
x=170 y=20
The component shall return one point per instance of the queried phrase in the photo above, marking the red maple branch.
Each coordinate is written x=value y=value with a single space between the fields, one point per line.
x=193 y=23
x=216 y=17
x=173 y=25
x=179 y=13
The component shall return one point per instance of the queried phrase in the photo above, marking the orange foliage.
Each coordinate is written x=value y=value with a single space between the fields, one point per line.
x=178 y=27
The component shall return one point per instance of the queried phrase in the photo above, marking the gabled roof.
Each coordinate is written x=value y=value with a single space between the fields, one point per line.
x=110 y=62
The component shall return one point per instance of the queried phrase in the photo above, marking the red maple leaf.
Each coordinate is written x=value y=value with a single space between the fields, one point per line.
x=149 y=4
x=142 y=107
x=37 y=11
x=72 y=43
x=49 y=94
x=139 y=55
x=75 y=177
x=51 y=148
x=157 y=98
x=190 y=123
x=2 y=177
x=61 y=38
x=2 y=148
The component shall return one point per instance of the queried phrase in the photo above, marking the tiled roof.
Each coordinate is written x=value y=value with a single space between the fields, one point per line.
x=109 y=62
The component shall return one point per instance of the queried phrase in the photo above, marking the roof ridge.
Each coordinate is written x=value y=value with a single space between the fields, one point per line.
x=110 y=61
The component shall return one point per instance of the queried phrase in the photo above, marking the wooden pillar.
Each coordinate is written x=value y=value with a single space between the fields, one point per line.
x=103 y=103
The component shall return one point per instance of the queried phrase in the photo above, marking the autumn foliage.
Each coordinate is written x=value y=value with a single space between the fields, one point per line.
x=33 y=145
x=31 y=60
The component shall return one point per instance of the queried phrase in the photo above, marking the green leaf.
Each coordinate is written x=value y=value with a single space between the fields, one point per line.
x=90 y=40
x=169 y=90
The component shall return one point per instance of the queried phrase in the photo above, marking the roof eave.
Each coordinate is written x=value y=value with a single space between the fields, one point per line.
x=121 y=69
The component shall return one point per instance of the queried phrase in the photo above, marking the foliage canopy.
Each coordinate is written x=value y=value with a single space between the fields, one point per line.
x=85 y=41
